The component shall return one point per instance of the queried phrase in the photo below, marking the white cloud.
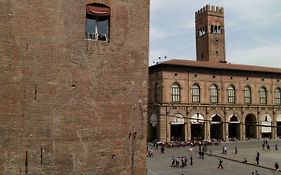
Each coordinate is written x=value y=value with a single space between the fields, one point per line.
x=267 y=55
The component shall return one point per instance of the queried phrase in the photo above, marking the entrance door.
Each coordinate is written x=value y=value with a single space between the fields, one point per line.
x=153 y=132
x=177 y=132
x=234 y=128
x=279 y=129
x=250 y=126
x=197 y=131
x=216 y=128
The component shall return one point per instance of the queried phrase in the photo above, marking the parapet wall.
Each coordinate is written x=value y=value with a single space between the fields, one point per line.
x=210 y=9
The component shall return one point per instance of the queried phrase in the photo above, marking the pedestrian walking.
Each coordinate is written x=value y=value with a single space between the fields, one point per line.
x=263 y=145
x=220 y=164
x=190 y=149
x=257 y=159
x=236 y=150
x=162 y=149
x=258 y=153
x=276 y=166
x=276 y=147
x=191 y=160
x=173 y=161
x=268 y=148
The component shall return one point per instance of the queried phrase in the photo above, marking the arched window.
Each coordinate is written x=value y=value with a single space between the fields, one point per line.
x=277 y=96
x=263 y=95
x=214 y=94
x=231 y=94
x=195 y=93
x=176 y=93
x=97 y=22
x=247 y=95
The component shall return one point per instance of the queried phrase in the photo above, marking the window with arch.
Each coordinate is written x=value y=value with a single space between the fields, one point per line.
x=277 y=96
x=176 y=93
x=263 y=95
x=97 y=22
x=231 y=94
x=214 y=94
x=195 y=93
x=216 y=29
x=247 y=95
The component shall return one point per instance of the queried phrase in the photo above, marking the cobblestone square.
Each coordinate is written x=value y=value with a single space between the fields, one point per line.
x=160 y=164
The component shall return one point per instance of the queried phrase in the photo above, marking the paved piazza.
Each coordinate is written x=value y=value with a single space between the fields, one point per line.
x=160 y=164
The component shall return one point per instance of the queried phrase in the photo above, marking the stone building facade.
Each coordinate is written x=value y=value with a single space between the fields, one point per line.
x=73 y=87
x=209 y=98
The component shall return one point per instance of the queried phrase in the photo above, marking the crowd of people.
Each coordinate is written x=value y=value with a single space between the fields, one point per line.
x=181 y=161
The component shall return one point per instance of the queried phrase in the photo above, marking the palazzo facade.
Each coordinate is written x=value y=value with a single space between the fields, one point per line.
x=210 y=98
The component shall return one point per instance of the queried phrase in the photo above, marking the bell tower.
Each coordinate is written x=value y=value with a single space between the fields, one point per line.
x=210 y=38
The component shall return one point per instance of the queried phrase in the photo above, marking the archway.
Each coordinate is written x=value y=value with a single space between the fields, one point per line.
x=216 y=127
x=266 y=121
x=177 y=127
x=234 y=128
x=278 y=123
x=153 y=127
x=250 y=126
x=197 y=123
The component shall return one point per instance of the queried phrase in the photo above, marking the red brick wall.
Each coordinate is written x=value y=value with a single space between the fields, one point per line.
x=76 y=100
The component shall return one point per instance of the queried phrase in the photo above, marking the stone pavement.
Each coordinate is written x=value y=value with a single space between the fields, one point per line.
x=159 y=164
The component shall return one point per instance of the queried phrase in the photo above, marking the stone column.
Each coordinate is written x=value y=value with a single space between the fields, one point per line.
x=225 y=131
x=242 y=131
x=207 y=127
x=188 y=129
x=274 y=129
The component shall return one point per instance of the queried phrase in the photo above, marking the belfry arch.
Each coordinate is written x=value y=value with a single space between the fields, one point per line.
x=234 y=127
x=250 y=126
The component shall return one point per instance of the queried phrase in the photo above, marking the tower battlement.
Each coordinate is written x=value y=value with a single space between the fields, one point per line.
x=210 y=9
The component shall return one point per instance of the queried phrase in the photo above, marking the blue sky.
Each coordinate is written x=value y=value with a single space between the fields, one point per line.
x=252 y=28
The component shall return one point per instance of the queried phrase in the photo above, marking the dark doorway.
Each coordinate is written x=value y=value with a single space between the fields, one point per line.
x=216 y=128
x=250 y=126
x=279 y=129
x=177 y=132
x=233 y=128
x=153 y=132
x=197 y=131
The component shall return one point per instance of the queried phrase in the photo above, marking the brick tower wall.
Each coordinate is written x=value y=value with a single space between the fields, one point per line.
x=210 y=46
x=68 y=105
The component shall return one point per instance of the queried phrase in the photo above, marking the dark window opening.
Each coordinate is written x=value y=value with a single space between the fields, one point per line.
x=216 y=29
x=214 y=94
x=277 y=96
x=176 y=93
x=263 y=96
x=247 y=95
x=231 y=94
x=195 y=92
x=97 y=22
x=202 y=31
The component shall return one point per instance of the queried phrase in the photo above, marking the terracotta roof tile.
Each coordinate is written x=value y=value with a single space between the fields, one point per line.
x=227 y=66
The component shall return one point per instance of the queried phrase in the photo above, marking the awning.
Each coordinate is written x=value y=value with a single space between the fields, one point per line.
x=98 y=10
